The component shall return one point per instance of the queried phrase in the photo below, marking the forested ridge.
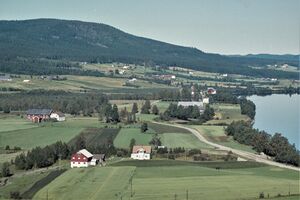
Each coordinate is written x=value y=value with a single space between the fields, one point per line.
x=25 y=42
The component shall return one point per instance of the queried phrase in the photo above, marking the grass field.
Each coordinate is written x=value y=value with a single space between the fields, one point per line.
x=126 y=134
x=12 y=122
x=45 y=133
x=188 y=141
x=94 y=183
x=97 y=136
x=217 y=135
x=21 y=183
x=227 y=113
x=163 y=179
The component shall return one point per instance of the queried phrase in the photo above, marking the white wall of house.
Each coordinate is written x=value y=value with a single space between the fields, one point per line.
x=140 y=156
x=57 y=117
x=79 y=164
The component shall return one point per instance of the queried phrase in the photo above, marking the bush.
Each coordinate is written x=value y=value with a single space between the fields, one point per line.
x=261 y=195
x=194 y=151
x=15 y=195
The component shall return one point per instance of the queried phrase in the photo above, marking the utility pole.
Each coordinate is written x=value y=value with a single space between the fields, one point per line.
x=187 y=194
x=289 y=189
x=131 y=187
x=175 y=197
x=47 y=195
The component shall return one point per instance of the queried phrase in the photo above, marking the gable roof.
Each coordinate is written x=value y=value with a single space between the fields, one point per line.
x=85 y=153
x=60 y=114
x=137 y=148
x=39 y=112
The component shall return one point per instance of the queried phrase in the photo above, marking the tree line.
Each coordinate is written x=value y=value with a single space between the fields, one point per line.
x=189 y=112
x=276 y=146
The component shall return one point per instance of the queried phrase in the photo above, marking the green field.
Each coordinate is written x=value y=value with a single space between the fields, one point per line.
x=21 y=183
x=217 y=135
x=11 y=122
x=162 y=179
x=126 y=134
x=227 y=113
x=45 y=133
x=94 y=183
x=188 y=141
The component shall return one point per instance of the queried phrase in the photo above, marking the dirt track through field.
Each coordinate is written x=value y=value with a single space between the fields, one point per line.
x=244 y=154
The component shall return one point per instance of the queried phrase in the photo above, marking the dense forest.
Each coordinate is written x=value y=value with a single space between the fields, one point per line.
x=276 y=146
x=99 y=43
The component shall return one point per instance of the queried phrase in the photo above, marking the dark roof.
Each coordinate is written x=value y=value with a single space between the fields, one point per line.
x=99 y=156
x=39 y=112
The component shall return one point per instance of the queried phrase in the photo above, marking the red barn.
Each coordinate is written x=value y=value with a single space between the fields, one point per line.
x=38 y=115
x=83 y=158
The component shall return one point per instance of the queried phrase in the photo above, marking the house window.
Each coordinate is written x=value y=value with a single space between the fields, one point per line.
x=73 y=162
x=84 y=163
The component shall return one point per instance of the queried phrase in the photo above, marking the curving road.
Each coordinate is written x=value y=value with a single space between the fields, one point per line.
x=245 y=154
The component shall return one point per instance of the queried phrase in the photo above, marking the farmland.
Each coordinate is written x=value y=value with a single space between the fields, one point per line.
x=217 y=135
x=94 y=183
x=174 y=178
x=44 y=133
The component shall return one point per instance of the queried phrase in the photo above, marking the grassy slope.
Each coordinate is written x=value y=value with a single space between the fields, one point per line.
x=94 y=183
x=156 y=180
x=46 y=133
x=189 y=141
x=126 y=134
x=9 y=123
x=227 y=113
x=217 y=135
x=21 y=183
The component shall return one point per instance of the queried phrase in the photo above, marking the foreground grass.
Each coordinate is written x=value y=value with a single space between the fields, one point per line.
x=163 y=179
x=21 y=183
x=89 y=183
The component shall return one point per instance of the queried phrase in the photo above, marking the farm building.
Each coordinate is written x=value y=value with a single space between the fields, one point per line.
x=38 y=115
x=211 y=91
x=59 y=116
x=84 y=158
x=141 y=152
x=5 y=78
x=185 y=104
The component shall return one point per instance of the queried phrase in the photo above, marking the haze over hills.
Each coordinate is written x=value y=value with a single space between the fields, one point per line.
x=91 y=42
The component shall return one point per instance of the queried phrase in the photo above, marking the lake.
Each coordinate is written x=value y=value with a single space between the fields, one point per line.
x=278 y=114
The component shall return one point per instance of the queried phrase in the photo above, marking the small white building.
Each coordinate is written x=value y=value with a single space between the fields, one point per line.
x=26 y=81
x=59 y=116
x=186 y=104
x=141 y=152
x=205 y=100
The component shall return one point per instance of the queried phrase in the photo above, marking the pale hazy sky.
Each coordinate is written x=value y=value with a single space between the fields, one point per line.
x=219 y=26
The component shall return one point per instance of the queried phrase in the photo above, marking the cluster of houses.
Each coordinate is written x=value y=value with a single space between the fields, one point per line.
x=84 y=158
x=39 y=115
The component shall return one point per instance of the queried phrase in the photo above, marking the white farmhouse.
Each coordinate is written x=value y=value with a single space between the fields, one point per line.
x=141 y=152
x=58 y=116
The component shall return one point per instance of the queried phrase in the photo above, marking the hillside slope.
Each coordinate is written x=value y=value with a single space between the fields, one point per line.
x=92 y=42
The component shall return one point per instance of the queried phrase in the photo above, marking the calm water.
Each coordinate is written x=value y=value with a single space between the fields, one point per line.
x=278 y=114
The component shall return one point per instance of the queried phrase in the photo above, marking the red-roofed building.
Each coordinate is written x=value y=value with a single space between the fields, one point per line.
x=83 y=158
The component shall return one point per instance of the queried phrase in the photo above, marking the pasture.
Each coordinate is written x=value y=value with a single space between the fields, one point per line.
x=126 y=134
x=164 y=182
x=165 y=179
x=12 y=122
x=227 y=113
x=94 y=183
x=45 y=133
x=217 y=135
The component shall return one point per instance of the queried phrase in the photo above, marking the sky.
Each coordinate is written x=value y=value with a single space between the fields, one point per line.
x=215 y=26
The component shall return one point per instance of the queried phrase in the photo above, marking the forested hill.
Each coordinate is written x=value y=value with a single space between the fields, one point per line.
x=92 y=42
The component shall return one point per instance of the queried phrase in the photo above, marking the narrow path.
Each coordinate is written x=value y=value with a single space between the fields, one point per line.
x=245 y=154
